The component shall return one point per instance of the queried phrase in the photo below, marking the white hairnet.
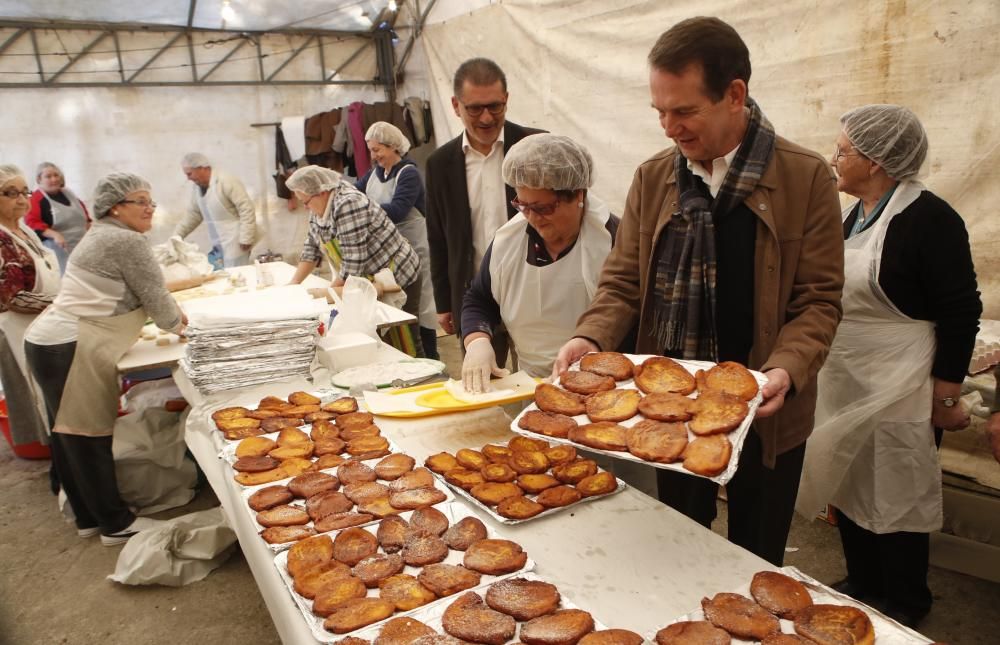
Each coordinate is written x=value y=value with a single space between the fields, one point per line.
x=195 y=160
x=113 y=188
x=549 y=161
x=388 y=135
x=8 y=172
x=313 y=180
x=889 y=135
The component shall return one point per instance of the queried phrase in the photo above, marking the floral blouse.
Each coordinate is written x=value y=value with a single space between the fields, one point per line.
x=17 y=278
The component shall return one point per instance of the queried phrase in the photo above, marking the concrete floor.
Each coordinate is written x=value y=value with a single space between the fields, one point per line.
x=53 y=586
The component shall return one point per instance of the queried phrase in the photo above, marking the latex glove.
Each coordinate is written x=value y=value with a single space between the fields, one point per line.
x=479 y=364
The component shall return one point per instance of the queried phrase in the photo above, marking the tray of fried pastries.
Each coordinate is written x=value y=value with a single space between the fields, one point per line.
x=688 y=416
x=520 y=609
x=525 y=479
x=784 y=608
x=354 y=493
x=272 y=413
x=363 y=576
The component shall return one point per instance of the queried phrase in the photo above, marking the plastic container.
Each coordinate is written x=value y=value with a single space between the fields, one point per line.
x=33 y=450
x=340 y=351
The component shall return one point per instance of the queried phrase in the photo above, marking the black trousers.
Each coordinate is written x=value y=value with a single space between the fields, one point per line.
x=85 y=465
x=761 y=500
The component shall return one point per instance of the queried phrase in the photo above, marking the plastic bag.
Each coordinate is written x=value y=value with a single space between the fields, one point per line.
x=356 y=312
x=392 y=294
x=180 y=260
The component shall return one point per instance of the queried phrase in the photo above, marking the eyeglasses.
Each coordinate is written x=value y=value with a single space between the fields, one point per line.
x=544 y=210
x=495 y=109
x=840 y=154
x=13 y=193
x=141 y=203
x=306 y=201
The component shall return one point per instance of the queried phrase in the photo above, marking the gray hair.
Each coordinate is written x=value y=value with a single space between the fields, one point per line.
x=45 y=165
x=9 y=172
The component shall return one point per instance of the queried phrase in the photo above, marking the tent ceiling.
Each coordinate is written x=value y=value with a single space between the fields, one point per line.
x=237 y=15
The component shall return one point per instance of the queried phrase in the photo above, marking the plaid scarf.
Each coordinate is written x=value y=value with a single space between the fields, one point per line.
x=684 y=284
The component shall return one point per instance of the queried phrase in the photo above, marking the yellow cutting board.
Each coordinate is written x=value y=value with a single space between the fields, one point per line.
x=435 y=399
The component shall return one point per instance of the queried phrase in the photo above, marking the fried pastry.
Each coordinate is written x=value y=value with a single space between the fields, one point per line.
x=270 y=497
x=319 y=415
x=416 y=478
x=437 y=639
x=337 y=521
x=309 y=553
x=363 y=492
x=301 y=410
x=256 y=479
x=394 y=466
x=325 y=461
x=834 y=625
x=357 y=613
x=429 y=520
x=534 y=484
x=356 y=432
x=422 y=549
x=379 y=507
x=353 y=545
x=779 y=594
x=496 y=454
x=448 y=579
x=391 y=534
x=585 y=383
x=327 y=503
x=324 y=429
x=284 y=534
x=228 y=414
x=612 y=364
x=657 y=441
x=255 y=447
x=495 y=557
x=442 y=462
x=405 y=592
x=355 y=420
x=729 y=377
x=498 y=473
x=362 y=447
x=563 y=627
x=355 y=472
x=611 y=637
x=273 y=402
x=492 y=493
x=329 y=446
x=708 y=456
x=717 y=412
x=463 y=477
x=255 y=464
x=343 y=405
x=525 y=462
x=662 y=374
x=519 y=442
x=778 y=638
x=277 y=424
x=417 y=498
x=692 y=632
x=603 y=435
x=283 y=515
x=236 y=423
x=236 y=434
x=335 y=592
x=266 y=413
x=376 y=568
x=402 y=631
x=463 y=533
x=296 y=466
x=666 y=406
x=471 y=459
x=613 y=405
x=559 y=496
x=290 y=437
x=739 y=616
x=292 y=452
x=303 y=398
x=561 y=454
x=546 y=423
x=519 y=507
x=550 y=398
x=308 y=583
x=523 y=599
x=573 y=472
x=601 y=483
x=469 y=619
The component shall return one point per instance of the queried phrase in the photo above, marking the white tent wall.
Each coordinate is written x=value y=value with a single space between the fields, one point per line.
x=89 y=132
x=578 y=67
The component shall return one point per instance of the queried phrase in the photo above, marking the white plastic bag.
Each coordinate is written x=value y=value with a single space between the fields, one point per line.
x=180 y=260
x=392 y=294
x=357 y=310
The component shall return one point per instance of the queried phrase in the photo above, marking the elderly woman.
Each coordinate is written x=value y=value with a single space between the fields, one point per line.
x=541 y=270
x=894 y=373
x=56 y=214
x=394 y=183
x=29 y=280
x=112 y=284
x=358 y=239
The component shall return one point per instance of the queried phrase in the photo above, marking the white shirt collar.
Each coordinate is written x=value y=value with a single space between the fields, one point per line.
x=720 y=166
x=466 y=146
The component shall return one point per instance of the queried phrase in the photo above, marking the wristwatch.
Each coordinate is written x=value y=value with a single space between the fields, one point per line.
x=949 y=401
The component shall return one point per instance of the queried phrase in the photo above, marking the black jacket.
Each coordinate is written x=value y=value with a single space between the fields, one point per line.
x=449 y=220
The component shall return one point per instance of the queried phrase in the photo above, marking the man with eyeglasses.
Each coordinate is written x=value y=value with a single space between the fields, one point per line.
x=221 y=201
x=467 y=200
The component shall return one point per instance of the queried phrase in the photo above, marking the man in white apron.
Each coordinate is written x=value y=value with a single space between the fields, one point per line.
x=221 y=201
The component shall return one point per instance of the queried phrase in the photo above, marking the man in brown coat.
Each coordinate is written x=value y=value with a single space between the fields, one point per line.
x=730 y=248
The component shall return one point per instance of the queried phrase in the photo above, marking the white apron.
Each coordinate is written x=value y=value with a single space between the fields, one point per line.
x=540 y=305
x=13 y=324
x=70 y=221
x=414 y=228
x=223 y=227
x=872 y=452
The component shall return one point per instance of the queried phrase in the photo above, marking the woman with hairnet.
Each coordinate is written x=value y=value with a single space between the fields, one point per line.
x=358 y=239
x=111 y=285
x=894 y=373
x=542 y=268
x=29 y=281
x=58 y=216
x=394 y=183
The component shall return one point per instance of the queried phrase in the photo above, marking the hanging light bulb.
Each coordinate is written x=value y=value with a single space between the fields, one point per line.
x=228 y=13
